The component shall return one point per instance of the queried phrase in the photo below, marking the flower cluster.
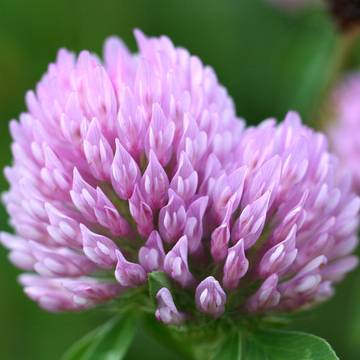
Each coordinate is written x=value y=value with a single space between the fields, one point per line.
x=346 y=124
x=140 y=164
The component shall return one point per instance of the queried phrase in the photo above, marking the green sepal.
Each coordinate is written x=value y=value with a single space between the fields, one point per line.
x=156 y=281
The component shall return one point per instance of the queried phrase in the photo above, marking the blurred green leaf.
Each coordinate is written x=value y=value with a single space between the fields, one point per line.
x=274 y=345
x=287 y=345
x=231 y=349
x=110 y=341
x=78 y=350
x=164 y=335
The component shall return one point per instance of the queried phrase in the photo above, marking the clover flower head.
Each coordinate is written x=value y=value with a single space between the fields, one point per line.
x=139 y=164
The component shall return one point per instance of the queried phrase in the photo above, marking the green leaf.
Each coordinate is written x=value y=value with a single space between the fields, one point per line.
x=231 y=349
x=78 y=349
x=108 y=342
x=287 y=345
x=157 y=280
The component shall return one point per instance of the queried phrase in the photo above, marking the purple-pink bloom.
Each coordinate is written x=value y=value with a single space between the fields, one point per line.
x=210 y=297
x=139 y=164
x=127 y=273
x=267 y=297
x=152 y=254
x=166 y=311
x=236 y=265
x=176 y=263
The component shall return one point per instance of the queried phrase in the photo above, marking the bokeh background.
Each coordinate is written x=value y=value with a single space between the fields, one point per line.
x=271 y=61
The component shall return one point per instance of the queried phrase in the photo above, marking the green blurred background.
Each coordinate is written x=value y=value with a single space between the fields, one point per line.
x=269 y=60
